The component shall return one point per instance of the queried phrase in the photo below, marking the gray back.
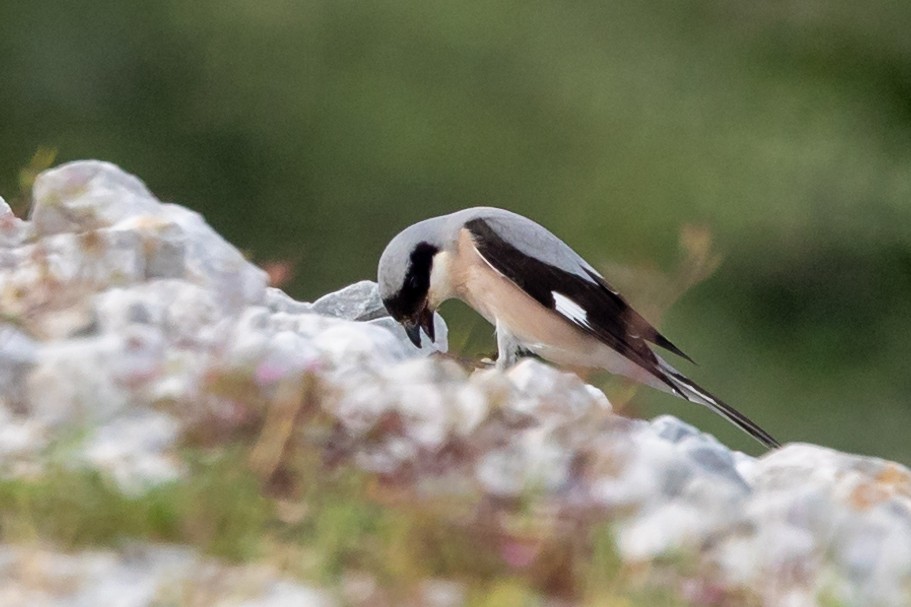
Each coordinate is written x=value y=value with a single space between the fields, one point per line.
x=527 y=236
x=530 y=238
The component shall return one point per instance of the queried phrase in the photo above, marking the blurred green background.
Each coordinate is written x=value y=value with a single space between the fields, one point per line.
x=313 y=131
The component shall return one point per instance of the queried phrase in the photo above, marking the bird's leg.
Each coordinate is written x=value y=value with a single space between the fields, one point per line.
x=507 y=348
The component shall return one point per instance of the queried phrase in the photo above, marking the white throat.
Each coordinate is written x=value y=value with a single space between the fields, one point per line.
x=441 y=287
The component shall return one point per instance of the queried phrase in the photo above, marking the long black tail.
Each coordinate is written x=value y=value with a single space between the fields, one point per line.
x=691 y=391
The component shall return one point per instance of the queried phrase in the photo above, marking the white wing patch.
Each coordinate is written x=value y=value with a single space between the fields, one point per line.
x=570 y=309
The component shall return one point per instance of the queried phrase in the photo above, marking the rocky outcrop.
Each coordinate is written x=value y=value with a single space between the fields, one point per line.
x=117 y=310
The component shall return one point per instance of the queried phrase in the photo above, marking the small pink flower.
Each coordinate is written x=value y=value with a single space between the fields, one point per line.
x=518 y=553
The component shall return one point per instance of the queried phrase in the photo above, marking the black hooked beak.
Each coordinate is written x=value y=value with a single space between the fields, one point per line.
x=421 y=320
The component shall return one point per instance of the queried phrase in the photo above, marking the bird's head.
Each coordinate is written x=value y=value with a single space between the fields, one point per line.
x=405 y=277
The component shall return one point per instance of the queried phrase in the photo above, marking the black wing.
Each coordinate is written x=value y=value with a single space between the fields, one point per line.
x=589 y=302
x=592 y=305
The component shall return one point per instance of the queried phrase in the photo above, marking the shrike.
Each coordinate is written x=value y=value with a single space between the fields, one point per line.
x=538 y=292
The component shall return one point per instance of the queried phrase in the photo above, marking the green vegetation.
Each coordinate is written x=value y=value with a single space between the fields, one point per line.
x=220 y=509
x=332 y=522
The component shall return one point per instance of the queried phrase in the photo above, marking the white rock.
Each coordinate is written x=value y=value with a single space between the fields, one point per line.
x=213 y=263
x=353 y=302
x=141 y=576
x=470 y=407
x=133 y=450
x=18 y=352
x=361 y=301
x=85 y=195
x=441 y=335
x=70 y=383
x=22 y=440
x=532 y=461
x=13 y=231
x=287 y=353
x=348 y=344
x=671 y=527
x=549 y=394
x=279 y=301
x=287 y=594
x=672 y=429
x=442 y=593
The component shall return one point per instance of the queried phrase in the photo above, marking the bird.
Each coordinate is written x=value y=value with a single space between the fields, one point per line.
x=541 y=296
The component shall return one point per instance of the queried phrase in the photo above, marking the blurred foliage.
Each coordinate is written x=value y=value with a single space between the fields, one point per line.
x=75 y=508
x=310 y=132
x=312 y=514
x=334 y=535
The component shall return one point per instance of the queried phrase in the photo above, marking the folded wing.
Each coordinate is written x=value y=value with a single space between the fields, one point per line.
x=582 y=297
